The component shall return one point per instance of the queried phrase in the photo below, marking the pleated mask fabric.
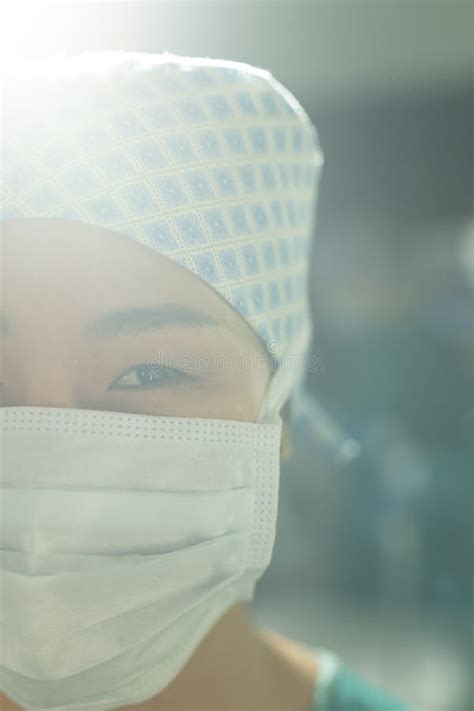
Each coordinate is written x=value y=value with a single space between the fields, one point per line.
x=124 y=538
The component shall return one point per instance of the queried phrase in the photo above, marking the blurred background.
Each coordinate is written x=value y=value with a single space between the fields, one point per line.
x=373 y=557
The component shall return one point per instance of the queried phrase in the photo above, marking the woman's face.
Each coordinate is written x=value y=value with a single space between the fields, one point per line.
x=93 y=320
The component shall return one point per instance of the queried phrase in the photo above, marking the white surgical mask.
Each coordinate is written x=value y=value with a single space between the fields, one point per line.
x=124 y=538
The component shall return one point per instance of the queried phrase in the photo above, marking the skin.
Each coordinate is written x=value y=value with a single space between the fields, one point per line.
x=57 y=277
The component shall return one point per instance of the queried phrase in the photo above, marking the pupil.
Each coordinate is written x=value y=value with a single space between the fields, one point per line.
x=145 y=374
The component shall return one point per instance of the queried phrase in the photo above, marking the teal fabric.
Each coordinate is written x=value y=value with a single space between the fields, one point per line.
x=347 y=692
x=338 y=689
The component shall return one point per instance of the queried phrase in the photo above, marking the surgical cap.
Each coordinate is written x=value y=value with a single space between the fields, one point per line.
x=212 y=163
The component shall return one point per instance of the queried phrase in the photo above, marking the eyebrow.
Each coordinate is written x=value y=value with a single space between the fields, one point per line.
x=137 y=320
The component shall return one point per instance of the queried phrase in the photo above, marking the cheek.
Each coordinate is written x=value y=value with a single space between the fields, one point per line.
x=224 y=403
x=242 y=392
x=238 y=405
x=231 y=398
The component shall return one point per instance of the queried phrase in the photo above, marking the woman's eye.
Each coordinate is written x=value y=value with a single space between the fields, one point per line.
x=149 y=376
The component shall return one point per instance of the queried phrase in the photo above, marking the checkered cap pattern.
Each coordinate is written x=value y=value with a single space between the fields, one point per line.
x=212 y=163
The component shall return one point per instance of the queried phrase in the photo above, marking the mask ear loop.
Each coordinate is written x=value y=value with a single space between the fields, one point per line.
x=284 y=379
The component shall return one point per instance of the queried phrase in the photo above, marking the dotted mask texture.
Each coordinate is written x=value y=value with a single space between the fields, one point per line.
x=253 y=448
x=212 y=163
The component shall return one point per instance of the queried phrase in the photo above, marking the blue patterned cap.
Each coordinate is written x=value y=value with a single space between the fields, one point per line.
x=212 y=163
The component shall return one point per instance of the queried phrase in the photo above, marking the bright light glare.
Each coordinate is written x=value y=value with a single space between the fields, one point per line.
x=28 y=29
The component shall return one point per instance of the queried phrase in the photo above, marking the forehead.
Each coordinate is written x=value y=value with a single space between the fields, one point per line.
x=94 y=256
x=69 y=262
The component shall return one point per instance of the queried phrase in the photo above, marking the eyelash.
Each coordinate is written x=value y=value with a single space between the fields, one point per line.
x=172 y=375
